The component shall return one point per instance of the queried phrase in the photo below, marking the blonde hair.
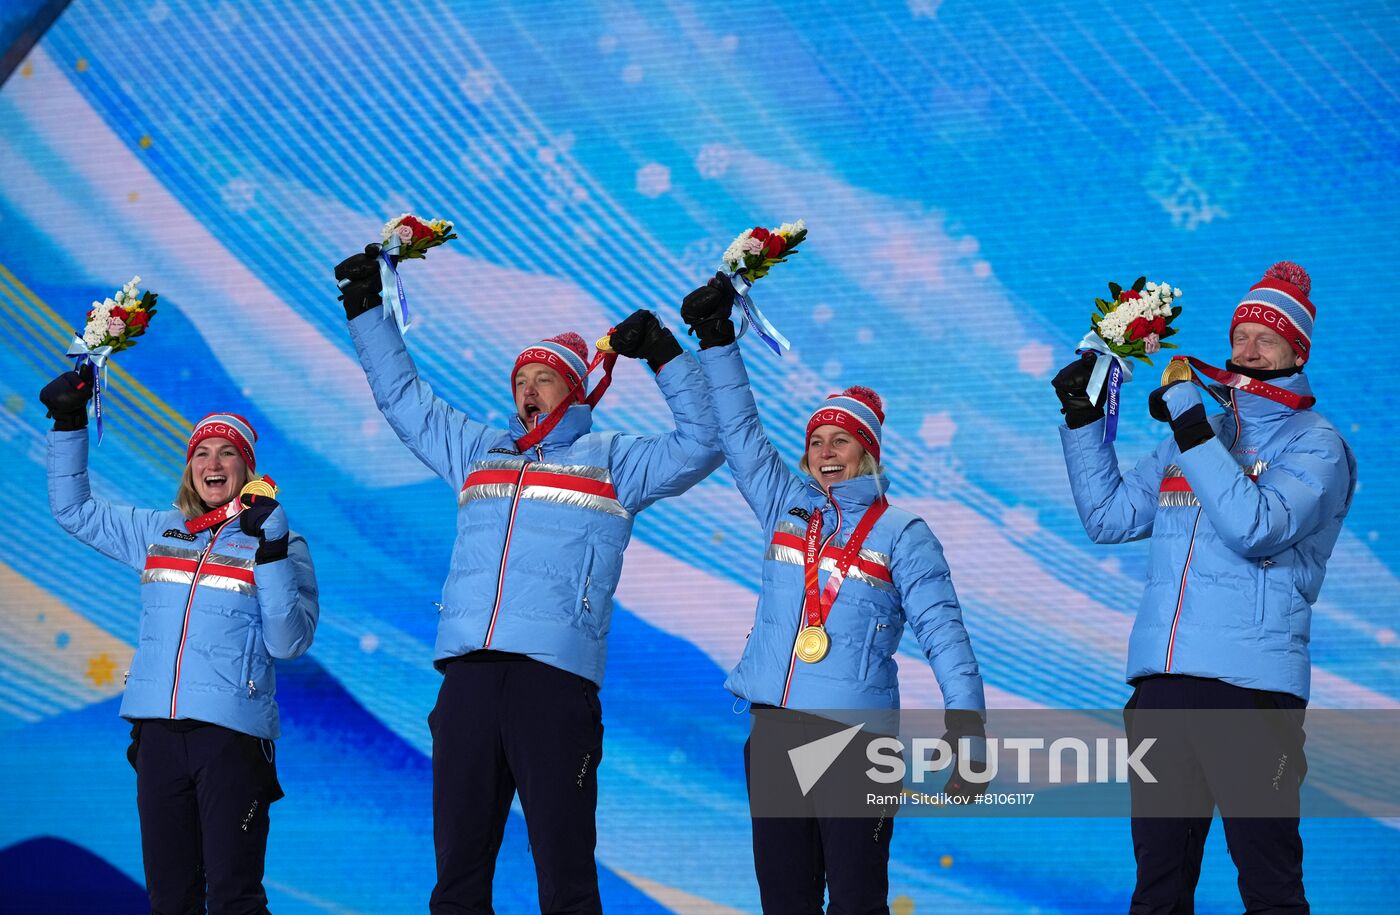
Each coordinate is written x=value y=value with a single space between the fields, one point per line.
x=187 y=498
x=868 y=465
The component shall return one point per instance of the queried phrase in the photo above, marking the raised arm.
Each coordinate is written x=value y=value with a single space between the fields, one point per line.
x=1114 y=507
x=440 y=436
x=647 y=468
x=1300 y=491
x=763 y=477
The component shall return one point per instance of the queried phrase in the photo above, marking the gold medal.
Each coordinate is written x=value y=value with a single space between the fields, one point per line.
x=262 y=486
x=604 y=344
x=1177 y=370
x=812 y=644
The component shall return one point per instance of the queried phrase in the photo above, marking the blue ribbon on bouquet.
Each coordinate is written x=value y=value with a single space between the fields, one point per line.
x=388 y=272
x=1111 y=372
x=761 y=325
x=97 y=358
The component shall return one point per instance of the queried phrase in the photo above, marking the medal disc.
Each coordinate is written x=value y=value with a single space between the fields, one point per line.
x=1176 y=370
x=262 y=486
x=812 y=644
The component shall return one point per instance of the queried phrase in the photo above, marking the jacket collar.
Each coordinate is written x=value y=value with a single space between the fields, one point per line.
x=577 y=422
x=1254 y=408
x=856 y=494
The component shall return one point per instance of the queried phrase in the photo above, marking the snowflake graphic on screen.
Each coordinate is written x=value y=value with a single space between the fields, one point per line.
x=712 y=161
x=1197 y=170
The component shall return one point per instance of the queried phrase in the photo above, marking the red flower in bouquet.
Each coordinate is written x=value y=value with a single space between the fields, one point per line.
x=774 y=245
x=138 y=321
x=760 y=233
x=1139 y=328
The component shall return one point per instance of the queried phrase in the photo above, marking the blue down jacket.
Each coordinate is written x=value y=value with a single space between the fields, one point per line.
x=1241 y=526
x=540 y=536
x=211 y=619
x=900 y=576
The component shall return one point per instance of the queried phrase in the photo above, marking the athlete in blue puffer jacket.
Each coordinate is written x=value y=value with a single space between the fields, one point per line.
x=220 y=599
x=898 y=576
x=545 y=510
x=1243 y=510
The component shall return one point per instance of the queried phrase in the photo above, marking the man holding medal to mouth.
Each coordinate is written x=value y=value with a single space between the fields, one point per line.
x=844 y=572
x=545 y=510
x=1243 y=509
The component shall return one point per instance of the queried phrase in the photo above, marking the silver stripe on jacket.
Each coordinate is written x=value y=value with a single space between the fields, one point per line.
x=1179 y=499
x=793 y=555
x=206 y=580
x=543 y=492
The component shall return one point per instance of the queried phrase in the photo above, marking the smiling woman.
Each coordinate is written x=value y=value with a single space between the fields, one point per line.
x=833 y=535
x=220 y=600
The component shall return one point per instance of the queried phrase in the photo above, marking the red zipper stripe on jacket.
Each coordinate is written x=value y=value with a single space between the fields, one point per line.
x=1191 y=550
x=505 y=551
x=210 y=568
x=1181 y=484
x=185 y=627
x=873 y=569
x=802 y=611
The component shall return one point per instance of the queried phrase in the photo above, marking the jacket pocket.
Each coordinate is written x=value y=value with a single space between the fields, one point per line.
x=1262 y=585
x=869 y=649
x=582 y=603
x=249 y=647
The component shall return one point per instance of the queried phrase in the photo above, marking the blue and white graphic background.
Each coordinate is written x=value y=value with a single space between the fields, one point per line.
x=972 y=173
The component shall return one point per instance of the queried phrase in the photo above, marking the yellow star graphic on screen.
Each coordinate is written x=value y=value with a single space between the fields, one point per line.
x=100 y=670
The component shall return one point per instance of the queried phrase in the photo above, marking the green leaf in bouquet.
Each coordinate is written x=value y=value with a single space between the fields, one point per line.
x=1115 y=290
x=1176 y=310
x=1139 y=283
x=1102 y=305
x=1094 y=319
x=1142 y=358
x=1166 y=345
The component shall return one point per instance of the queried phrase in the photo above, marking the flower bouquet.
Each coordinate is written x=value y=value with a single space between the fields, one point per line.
x=751 y=256
x=415 y=236
x=111 y=326
x=405 y=238
x=1134 y=324
x=1137 y=321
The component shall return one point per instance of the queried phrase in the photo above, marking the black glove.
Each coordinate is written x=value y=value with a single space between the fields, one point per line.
x=641 y=335
x=960 y=723
x=706 y=311
x=263 y=517
x=1179 y=403
x=67 y=397
x=1072 y=387
x=358 y=278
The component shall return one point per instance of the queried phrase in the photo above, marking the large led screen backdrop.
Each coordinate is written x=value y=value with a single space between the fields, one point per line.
x=973 y=173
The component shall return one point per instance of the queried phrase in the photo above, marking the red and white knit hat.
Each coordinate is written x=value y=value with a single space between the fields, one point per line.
x=230 y=426
x=567 y=354
x=1280 y=302
x=858 y=410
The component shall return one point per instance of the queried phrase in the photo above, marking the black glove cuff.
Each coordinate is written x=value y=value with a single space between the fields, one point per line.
x=962 y=723
x=360 y=298
x=1080 y=411
x=717 y=332
x=69 y=422
x=272 y=550
x=1191 y=428
x=662 y=350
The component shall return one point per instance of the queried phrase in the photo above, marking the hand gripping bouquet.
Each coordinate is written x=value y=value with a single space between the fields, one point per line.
x=112 y=326
x=751 y=256
x=1134 y=324
x=407 y=238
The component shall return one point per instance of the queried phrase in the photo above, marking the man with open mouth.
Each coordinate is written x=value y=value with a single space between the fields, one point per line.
x=545 y=510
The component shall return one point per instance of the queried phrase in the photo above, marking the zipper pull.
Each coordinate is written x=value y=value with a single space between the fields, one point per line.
x=587 y=581
x=439 y=607
x=126 y=675
x=251 y=689
x=880 y=626
x=1266 y=562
